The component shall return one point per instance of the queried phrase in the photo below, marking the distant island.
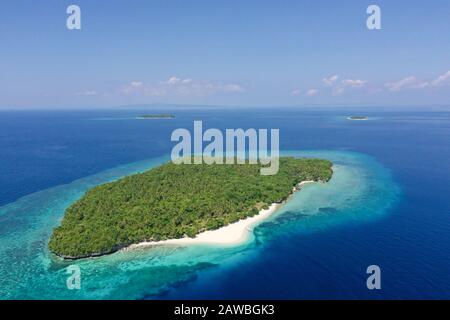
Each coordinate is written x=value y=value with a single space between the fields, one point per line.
x=358 y=118
x=156 y=116
x=175 y=202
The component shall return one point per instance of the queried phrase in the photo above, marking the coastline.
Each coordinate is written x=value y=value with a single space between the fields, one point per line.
x=233 y=234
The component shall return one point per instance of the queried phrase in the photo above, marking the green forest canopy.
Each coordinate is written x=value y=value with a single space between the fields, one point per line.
x=174 y=201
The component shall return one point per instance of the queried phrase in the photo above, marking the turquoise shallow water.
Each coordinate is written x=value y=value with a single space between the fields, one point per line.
x=361 y=190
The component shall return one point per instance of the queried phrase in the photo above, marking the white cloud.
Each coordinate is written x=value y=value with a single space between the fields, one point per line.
x=441 y=80
x=330 y=80
x=338 y=91
x=185 y=81
x=348 y=84
x=406 y=83
x=336 y=87
x=312 y=92
x=353 y=83
x=87 y=93
x=308 y=93
x=175 y=86
x=412 y=82
x=232 y=88
x=340 y=87
x=136 y=83
x=173 y=80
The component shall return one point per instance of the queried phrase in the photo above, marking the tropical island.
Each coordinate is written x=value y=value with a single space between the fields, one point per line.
x=358 y=118
x=175 y=202
x=156 y=116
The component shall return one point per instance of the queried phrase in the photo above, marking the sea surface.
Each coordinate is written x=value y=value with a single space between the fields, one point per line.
x=387 y=204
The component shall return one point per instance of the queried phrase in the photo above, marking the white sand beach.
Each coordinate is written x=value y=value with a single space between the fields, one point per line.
x=231 y=234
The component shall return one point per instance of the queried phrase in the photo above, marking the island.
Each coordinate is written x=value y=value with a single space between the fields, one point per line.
x=156 y=116
x=358 y=118
x=175 y=201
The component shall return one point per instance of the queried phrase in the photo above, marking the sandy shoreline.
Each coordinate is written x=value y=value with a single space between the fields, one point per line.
x=231 y=234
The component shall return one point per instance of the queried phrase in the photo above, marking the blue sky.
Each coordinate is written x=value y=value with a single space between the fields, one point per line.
x=224 y=53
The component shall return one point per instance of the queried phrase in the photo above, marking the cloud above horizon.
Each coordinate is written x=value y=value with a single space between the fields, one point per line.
x=330 y=80
x=87 y=93
x=413 y=82
x=336 y=87
x=441 y=80
x=331 y=86
x=175 y=86
x=308 y=93
x=312 y=92
x=410 y=82
x=348 y=84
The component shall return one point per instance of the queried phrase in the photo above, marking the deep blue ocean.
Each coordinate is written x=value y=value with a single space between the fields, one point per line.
x=388 y=205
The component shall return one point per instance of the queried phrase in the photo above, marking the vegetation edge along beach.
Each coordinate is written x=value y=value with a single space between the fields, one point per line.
x=175 y=202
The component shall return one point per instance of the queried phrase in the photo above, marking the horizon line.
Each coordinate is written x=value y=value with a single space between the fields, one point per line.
x=205 y=106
